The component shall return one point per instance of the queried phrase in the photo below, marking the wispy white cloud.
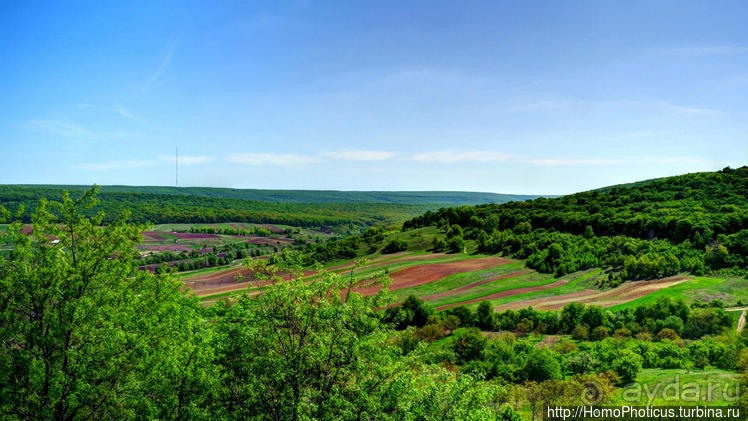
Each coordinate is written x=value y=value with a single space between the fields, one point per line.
x=452 y=156
x=546 y=104
x=124 y=112
x=477 y=157
x=690 y=160
x=115 y=165
x=568 y=104
x=708 y=50
x=60 y=128
x=681 y=109
x=359 y=155
x=291 y=159
x=553 y=162
x=163 y=66
x=278 y=159
x=188 y=159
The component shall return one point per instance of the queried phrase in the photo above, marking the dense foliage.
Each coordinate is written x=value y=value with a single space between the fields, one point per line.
x=313 y=196
x=174 y=208
x=696 y=222
x=613 y=345
x=85 y=335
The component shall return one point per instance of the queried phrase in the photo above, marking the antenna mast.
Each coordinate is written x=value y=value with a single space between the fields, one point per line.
x=176 y=169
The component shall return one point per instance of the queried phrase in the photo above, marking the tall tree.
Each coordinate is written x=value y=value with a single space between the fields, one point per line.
x=84 y=333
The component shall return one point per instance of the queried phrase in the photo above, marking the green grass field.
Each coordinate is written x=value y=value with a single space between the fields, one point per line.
x=710 y=386
x=685 y=289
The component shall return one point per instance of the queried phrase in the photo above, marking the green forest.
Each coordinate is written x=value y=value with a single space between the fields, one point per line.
x=693 y=223
x=158 y=208
x=452 y=198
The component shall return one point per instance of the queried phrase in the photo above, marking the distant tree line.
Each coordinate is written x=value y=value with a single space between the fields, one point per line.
x=173 y=208
x=253 y=230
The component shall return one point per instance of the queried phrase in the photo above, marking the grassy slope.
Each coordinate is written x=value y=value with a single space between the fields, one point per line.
x=685 y=289
x=577 y=282
x=691 y=388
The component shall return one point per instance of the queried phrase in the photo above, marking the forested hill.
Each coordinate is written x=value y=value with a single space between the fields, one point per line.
x=448 y=198
x=171 y=208
x=695 y=222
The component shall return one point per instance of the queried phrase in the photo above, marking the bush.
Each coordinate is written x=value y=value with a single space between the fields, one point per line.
x=622 y=333
x=469 y=345
x=542 y=365
x=627 y=365
x=395 y=245
x=668 y=334
x=580 y=333
x=599 y=333
x=456 y=244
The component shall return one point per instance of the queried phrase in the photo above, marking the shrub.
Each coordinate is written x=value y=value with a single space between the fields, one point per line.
x=395 y=245
x=542 y=365
x=469 y=346
x=580 y=333
x=627 y=365
x=622 y=333
x=668 y=334
x=599 y=333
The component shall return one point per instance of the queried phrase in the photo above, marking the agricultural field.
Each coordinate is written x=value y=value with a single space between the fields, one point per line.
x=191 y=247
x=446 y=280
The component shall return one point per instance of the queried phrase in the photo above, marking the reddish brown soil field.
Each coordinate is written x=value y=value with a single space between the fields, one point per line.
x=271 y=228
x=349 y=264
x=476 y=284
x=507 y=293
x=622 y=294
x=223 y=281
x=213 y=280
x=410 y=259
x=163 y=247
x=424 y=274
x=234 y=226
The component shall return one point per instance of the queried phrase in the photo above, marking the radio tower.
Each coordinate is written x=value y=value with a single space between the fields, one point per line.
x=176 y=169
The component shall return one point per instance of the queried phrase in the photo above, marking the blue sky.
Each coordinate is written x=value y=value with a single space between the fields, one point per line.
x=515 y=97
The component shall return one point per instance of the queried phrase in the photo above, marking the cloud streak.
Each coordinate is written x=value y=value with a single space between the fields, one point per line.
x=708 y=50
x=452 y=156
x=115 y=165
x=162 y=67
x=277 y=159
x=291 y=159
x=563 y=105
x=359 y=155
x=483 y=157
x=188 y=159
x=60 y=127
x=124 y=112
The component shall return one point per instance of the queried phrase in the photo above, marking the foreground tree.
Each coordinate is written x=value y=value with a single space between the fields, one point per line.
x=311 y=349
x=86 y=335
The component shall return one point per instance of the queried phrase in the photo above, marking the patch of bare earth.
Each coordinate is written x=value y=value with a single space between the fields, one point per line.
x=427 y=273
x=475 y=284
x=507 y=293
x=622 y=294
x=549 y=341
x=227 y=280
